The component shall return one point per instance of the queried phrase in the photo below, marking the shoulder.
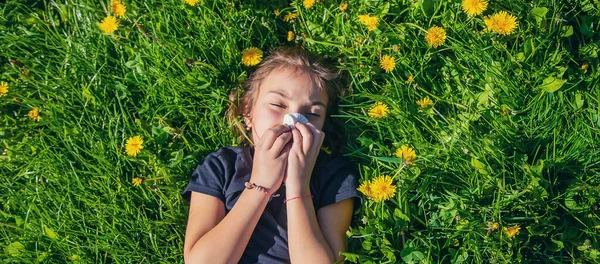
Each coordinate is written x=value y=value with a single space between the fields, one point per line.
x=229 y=154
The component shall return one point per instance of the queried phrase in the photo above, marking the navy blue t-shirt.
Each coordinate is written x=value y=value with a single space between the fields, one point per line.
x=223 y=173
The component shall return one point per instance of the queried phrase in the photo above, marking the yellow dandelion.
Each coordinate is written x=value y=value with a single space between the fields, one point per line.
x=343 y=7
x=309 y=3
x=369 y=21
x=407 y=153
x=502 y=23
x=379 y=110
x=290 y=36
x=474 y=7
x=382 y=188
x=387 y=63
x=192 y=2
x=34 y=114
x=494 y=225
x=410 y=79
x=290 y=17
x=3 y=88
x=365 y=188
x=137 y=181
x=425 y=102
x=118 y=8
x=276 y=12
x=435 y=36
x=512 y=231
x=109 y=25
x=584 y=67
x=133 y=146
x=251 y=56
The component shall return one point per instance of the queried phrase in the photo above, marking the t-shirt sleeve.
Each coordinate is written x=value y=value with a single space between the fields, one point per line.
x=341 y=184
x=207 y=178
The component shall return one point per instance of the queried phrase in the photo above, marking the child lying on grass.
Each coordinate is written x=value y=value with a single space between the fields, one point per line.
x=279 y=198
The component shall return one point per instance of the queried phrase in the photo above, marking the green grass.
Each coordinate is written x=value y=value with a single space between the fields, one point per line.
x=495 y=147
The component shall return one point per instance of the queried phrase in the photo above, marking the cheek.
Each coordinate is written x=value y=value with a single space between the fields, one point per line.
x=265 y=119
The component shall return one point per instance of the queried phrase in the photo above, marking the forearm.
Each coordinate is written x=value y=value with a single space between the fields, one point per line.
x=226 y=242
x=305 y=239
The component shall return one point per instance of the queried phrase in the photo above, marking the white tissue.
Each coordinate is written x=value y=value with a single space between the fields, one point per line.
x=291 y=119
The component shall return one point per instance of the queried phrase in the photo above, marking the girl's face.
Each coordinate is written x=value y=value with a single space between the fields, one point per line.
x=283 y=92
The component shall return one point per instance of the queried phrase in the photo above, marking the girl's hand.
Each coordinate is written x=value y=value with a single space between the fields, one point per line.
x=270 y=158
x=307 y=141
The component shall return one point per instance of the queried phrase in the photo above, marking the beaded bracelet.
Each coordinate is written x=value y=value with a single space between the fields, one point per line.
x=298 y=197
x=257 y=187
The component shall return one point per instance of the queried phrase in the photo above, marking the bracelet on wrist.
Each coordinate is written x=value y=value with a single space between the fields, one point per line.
x=251 y=185
x=298 y=197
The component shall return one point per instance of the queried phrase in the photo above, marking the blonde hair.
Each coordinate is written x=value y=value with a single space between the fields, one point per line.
x=298 y=61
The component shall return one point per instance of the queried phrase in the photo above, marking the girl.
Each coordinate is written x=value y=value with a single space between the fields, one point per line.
x=279 y=198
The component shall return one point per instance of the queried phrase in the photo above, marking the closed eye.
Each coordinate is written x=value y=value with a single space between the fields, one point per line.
x=278 y=105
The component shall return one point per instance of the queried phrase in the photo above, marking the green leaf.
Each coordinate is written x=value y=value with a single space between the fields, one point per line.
x=386 y=159
x=529 y=49
x=427 y=7
x=558 y=245
x=398 y=215
x=566 y=31
x=15 y=249
x=551 y=84
x=538 y=14
x=50 y=233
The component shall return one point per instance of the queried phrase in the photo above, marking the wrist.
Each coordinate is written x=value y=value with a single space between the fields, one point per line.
x=297 y=190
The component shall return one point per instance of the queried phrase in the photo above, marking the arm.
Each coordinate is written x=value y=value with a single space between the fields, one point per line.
x=212 y=236
x=305 y=239
x=326 y=235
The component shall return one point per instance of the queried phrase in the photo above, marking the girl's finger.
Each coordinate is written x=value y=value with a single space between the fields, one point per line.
x=307 y=137
x=269 y=137
x=279 y=144
x=318 y=137
x=297 y=140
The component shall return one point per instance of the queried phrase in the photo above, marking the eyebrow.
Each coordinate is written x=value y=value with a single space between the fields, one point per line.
x=286 y=96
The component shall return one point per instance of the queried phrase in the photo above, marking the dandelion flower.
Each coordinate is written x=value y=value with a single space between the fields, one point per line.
x=133 y=146
x=425 y=102
x=109 y=25
x=137 y=181
x=309 y=3
x=290 y=17
x=290 y=36
x=584 y=67
x=3 y=88
x=387 y=63
x=407 y=153
x=369 y=21
x=34 y=114
x=512 y=231
x=192 y=2
x=474 y=7
x=382 y=188
x=435 y=36
x=276 y=12
x=252 y=56
x=494 y=225
x=502 y=23
x=118 y=8
x=379 y=110
x=410 y=79
x=343 y=7
x=365 y=188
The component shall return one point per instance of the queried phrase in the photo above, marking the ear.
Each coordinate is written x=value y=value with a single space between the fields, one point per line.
x=248 y=121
